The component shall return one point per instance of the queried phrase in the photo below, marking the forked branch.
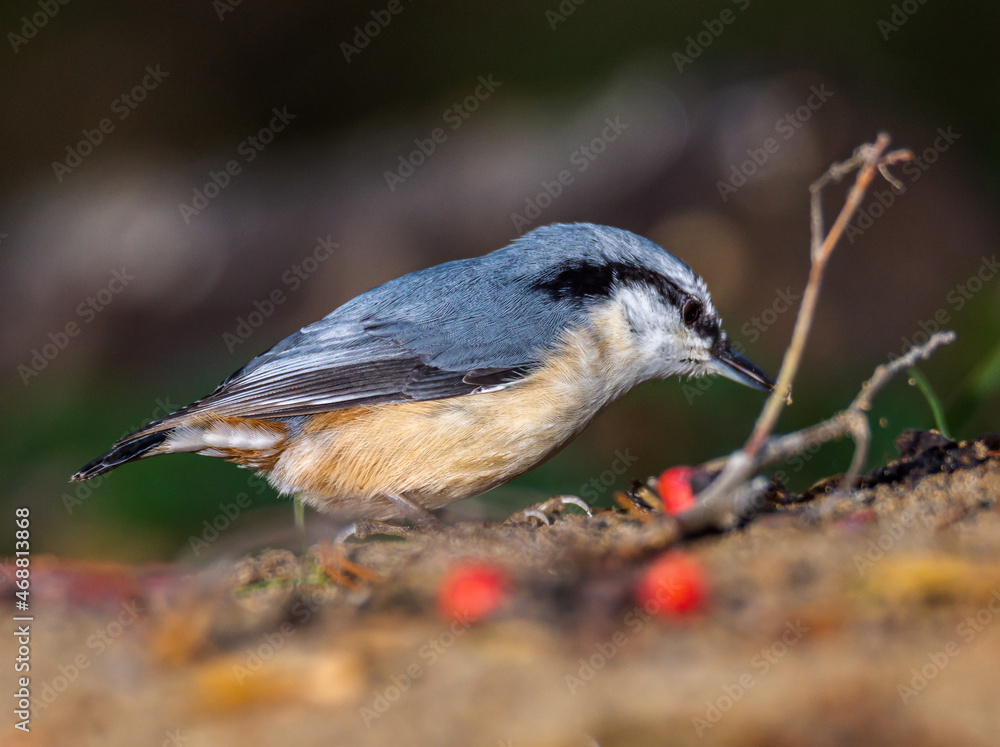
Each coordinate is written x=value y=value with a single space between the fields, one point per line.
x=730 y=494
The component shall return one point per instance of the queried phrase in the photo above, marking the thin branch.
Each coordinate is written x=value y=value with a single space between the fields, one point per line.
x=869 y=159
x=747 y=499
x=884 y=373
x=869 y=156
x=841 y=424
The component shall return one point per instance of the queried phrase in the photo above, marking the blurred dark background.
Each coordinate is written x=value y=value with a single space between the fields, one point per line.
x=128 y=280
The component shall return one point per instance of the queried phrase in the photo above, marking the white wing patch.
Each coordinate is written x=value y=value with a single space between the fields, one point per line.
x=199 y=438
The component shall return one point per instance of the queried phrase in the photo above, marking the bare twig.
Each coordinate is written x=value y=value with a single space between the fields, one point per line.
x=852 y=421
x=747 y=499
x=745 y=502
x=721 y=496
x=869 y=157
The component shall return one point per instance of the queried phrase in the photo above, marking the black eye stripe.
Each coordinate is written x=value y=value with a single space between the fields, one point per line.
x=578 y=281
x=581 y=280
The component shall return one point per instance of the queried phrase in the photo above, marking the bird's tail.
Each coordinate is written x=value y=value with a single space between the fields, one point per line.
x=135 y=446
x=249 y=442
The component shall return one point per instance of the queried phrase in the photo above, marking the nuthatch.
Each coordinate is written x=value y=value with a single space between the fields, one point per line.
x=452 y=380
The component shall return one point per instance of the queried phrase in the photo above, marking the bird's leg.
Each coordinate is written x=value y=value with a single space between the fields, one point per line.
x=299 y=510
x=342 y=571
x=553 y=506
x=421 y=518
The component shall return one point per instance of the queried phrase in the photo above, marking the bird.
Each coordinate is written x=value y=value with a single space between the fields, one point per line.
x=452 y=380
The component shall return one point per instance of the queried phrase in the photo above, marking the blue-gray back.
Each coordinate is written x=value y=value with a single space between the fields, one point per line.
x=448 y=330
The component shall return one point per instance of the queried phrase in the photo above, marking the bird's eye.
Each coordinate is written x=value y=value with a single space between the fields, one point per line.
x=692 y=311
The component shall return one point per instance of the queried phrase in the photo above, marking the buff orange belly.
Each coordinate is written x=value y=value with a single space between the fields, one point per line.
x=432 y=453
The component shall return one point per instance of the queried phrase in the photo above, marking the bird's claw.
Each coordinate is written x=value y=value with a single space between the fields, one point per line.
x=365 y=528
x=549 y=508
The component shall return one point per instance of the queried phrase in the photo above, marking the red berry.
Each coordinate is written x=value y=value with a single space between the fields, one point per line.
x=674 y=487
x=471 y=592
x=672 y=585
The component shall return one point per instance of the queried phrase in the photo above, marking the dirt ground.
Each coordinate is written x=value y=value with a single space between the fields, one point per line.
x=874 y=620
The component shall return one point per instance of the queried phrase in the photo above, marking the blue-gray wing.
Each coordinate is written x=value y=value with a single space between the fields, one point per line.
x=445 y=331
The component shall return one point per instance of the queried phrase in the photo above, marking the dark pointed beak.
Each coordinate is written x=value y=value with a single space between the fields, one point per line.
x=734 y=366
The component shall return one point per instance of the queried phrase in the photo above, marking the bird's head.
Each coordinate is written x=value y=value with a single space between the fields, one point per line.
x=666 y=323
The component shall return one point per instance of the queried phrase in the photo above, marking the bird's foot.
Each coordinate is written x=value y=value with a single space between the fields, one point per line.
x=422 y=520
x=365 y=528
x=343 y=572
x=340 y=570
x=550 y=508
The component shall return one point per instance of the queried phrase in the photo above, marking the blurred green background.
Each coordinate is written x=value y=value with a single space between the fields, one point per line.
x=698 y=92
